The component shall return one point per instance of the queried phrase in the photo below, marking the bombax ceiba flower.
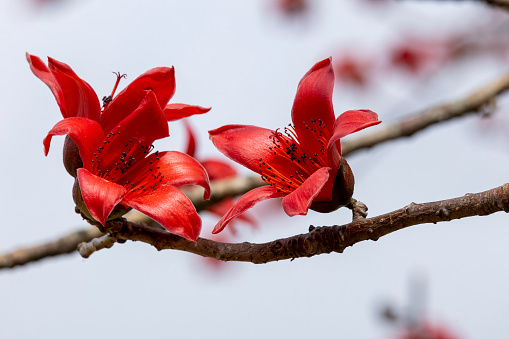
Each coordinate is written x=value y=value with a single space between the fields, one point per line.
x=109 y=147
x=302 y=163
x=76 y=98
x=119 y=167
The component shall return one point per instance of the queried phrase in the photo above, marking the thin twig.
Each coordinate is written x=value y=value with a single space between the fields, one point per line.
x=62 y=245
x=221 y=189
x=319 y=240
x=86 y=249
x=420 y=121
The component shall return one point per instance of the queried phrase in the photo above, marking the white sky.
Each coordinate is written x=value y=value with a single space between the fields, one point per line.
x=245 y=61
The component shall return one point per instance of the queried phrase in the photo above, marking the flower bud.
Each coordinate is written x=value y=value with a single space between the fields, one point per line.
x=342 y=191
x=117 y=212
x=71 y=156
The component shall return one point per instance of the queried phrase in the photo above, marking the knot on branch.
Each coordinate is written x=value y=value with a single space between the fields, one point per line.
x=86 y=249
x=359 y=209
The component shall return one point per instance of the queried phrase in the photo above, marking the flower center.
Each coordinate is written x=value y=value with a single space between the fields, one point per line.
x=294 y=161
x=114 y=162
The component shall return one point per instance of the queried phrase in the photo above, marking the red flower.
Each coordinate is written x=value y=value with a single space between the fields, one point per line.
x=115 y=146
x=427 y=331
x=76 y=98
x=352 y=70
x=119 y=168
x=304 y=165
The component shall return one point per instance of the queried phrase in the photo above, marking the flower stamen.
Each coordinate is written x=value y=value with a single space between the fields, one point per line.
x=109 y=98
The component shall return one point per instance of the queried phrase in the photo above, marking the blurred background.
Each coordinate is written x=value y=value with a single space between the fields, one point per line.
x=244 y=59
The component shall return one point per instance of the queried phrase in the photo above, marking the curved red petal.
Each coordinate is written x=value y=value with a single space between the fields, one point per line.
x=350 y=122
x=79 y=97
x=169 y=168
x=171 y=208
x=245 y=202
x=142 y=126
x=191 y=139
x=100 y=195
x=178 y=111
x=244 y=144
x=42 y=71
x=298 y=202
x=312 y=110
x=218 y=169
x=86 y=133
x=160 y=80
x=253 y=147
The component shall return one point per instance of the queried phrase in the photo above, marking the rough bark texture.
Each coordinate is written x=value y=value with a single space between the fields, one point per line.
x=319 y=240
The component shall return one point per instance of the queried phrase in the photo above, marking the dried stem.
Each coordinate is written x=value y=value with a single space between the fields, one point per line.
x=319 y=240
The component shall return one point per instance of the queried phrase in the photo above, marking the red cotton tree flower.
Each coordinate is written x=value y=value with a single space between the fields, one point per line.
x=76 y=98
x=115 y=147
x=303 y=165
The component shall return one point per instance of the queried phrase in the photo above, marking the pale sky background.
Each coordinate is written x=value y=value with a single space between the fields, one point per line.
x=245 y=60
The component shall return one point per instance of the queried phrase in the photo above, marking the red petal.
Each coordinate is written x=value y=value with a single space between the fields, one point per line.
x=100 y=195
x=298 y=202
x=171 y=208
x=350 y=122
x=244 y=144
x=245 y=202
x=176 y=169
x=191 y=140
x=160 y=80
x=221 y=208
x=79 y=97
x=145 y=125
x=178 y=111
x=218 y=169
x=41 y=71
x=313 y=101
x=86 y=133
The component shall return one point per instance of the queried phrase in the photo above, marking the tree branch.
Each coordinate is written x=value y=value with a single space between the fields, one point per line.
x=62 y=245
x=221 y=189
x=319 y=240
x=503 y=4
x=406 y=127
x=232 y=187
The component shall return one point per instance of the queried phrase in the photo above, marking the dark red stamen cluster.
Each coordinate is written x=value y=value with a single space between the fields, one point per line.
x=115 y=168
x=293 y=159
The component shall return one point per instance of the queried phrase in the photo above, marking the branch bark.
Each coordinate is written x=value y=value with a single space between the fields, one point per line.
x=60 y=246
x=324 y=239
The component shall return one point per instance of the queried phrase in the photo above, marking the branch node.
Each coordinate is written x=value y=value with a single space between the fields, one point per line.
x=87 y=248
x=359 y=209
